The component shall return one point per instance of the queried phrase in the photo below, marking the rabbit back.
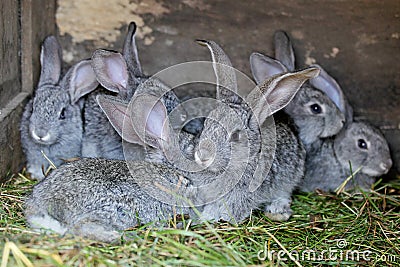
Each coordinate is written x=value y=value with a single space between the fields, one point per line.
x=99 y=192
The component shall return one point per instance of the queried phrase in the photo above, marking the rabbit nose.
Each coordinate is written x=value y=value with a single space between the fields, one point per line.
x=40 y=135
x=385 y=166
x=205 y=154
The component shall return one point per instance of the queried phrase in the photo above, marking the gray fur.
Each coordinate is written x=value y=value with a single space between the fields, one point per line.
x=328 y=165
x=99 y=198
x=52 y=120
x=216 y=144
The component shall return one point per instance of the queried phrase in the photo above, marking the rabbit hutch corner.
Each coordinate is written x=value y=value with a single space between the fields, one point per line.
x=357 y=42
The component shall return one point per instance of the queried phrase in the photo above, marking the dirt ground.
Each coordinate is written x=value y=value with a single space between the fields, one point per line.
x=357 y=42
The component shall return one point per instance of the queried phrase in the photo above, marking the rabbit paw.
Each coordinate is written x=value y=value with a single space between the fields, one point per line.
x=97 y=231
x=36 y=172
x=278 y=210
x=210 y=213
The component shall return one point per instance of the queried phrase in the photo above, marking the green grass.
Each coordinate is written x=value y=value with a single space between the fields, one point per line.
x=367 y=225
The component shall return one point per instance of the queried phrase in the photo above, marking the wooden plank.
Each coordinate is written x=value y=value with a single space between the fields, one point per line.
x=10 y=84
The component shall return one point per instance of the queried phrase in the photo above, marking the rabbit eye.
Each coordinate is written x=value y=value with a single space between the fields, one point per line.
x=362 y=144
x=316 y=109
x=235 y=136
x=62 y=114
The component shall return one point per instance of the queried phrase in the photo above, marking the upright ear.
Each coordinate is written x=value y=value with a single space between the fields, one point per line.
x=330 y=87
x=50 y=60
x=130 y=51
x=150 y=119
x=226 y=77
x=276 y=92
x=263 y=67
x=284 y=50
x=81 y=79
x=119 y=117
x=111 y=70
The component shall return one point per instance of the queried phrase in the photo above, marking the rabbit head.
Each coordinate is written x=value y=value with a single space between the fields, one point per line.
x=233 y=128
x=284 y=53
x=312 y=109
x=144 y=121
x=57 y=104
x=363 y=145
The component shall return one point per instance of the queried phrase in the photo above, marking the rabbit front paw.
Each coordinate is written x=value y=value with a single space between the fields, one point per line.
x=278 y=210
x=36 y=172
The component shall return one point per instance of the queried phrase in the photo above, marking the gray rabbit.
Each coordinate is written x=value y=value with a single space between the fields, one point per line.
x=52 y=119
x=358 y=145
x=98 y=198
x=316 y=109
x=238 y=156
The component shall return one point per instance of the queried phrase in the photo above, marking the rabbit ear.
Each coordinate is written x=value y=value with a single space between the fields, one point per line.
x=151 y=120
x=226 y=77
x=284 y=50
x=130 y=51
x=82 y=80
x=263 y=67
x=50 y=60
x=276 y=92
x=119 y=117
x=111 y=70
x=330 y=87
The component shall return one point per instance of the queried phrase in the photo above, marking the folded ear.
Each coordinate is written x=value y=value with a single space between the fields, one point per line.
x=130 y=51
x=284 y=50
x=263 y=67
x=50 y=61
x=150 y=120
x=277 y=91
x=111 y=70
x=119 y=117
x=81 y=80
x=330 y=87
